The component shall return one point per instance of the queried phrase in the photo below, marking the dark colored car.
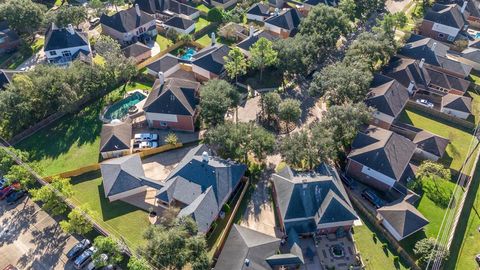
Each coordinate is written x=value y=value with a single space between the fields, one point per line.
x=78 y=248
x=84 y=258
x=373 y=198
x=5 y=192
x=15 y=196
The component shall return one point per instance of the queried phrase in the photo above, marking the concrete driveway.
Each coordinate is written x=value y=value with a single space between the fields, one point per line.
x=397 y=5
x=31 y=239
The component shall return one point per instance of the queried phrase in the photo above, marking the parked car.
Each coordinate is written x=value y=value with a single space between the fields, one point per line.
x=145 y=137
x=5 y=192
x=373 y=198
x=84 y=258
x=144 y=145
x=78 y=248
x=477 y=259
x=15 y=196
x=424 y=102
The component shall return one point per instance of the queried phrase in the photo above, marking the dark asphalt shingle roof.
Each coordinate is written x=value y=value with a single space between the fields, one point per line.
x=59 y=38
x=383 y=151
x=431 y=143
x=456 y=102
x=447 y=81
x=121 y=174
x=135 y=49
x=212 y=58
x=288 y=20
x=406 y=70
x=126 y=20
x=115 y=137
x=387 y=95
x=6 y=31
x=6 y=77
x=259 y=9
x=448 y=15
x=247 y=43
x=179 y=22
x=164 y=64
x=403 y=217
x=204 y=209
x=175 y=96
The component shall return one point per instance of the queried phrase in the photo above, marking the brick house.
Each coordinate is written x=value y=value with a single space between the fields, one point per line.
x=444 y=22
x=208 y=63
x=172 y=103
x=283 y=24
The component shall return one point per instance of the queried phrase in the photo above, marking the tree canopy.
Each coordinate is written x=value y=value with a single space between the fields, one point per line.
x=77 y=221
x=289 y=110
x=235 y=63
x=51 y=195
x=270 y=102
x=23 y=16
x=108 y=246
x=374 y=49
x=263 y=55
x=425 y=251
x=137 y=264
x=68 y=14
x=216 y=96
x=7 y=160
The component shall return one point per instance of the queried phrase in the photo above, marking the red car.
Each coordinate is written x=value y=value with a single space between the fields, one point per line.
x=5 y=192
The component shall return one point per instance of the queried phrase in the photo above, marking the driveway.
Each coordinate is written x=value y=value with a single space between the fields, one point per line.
x=397 y=5
x=31 y=239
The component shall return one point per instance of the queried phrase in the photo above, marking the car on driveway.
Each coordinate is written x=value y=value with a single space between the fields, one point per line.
x=84 y=258
x=145 y=137
x=373 y=198
x=145 y=145
x=424 y=102
x=78 y=248
x=15 y=196
x=5 y=192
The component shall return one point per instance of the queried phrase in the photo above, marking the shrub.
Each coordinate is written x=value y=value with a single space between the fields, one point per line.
x=226 y=208
x=215 y=15
x=437 y=191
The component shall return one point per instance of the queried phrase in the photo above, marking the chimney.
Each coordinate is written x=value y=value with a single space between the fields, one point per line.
x=161 y=78
x=434 y=45
x=276 y=12
x=247 y=262
x=251 y=31
x=137 y=9
x=205 y=157
x=421 y=63
x=410 y=87
x=464 y=6
x=212 y=37
x=70 y=29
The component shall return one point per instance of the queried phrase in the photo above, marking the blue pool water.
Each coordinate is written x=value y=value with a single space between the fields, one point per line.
x=120 y=109
x=188 y=54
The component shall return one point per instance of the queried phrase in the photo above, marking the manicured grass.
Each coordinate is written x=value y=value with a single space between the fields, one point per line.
x=458 y=148
x=200 y=24
x=372 y=253
x=163 y=42
x=203 y=8
x=119 y=218
x=205 y=40
x=475 y=105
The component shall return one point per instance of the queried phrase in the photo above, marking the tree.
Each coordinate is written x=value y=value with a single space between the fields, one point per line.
x=289 y=111
x=67 y=14
x=171 y=139
x=428 y=249
x=172 y=34
x=340 y=83
x=137 y=264
x=366 y=7
x=23 y=16
x=262 y=55
x=372 y=49
x=349 y=8
x=22 y=175
x=215 y=15
x=235 y=63
x=7 y=160
x=116 y=3
x=51 y=195
x=432 y=169
x=105 y=45
x=179 y=247
x=344 y=121
x=108 y=246
x=270 y=102
x=216 y=96
x=237 y=141
x=78 y=222
x=390 y=22
x=292 y=56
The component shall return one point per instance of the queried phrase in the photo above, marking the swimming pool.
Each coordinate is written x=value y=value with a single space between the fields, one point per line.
x=188 y=54
x=120 y=109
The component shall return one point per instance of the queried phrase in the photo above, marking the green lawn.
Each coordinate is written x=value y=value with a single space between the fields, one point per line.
x=119 y=218
x=458 y=148
x=163 y=42
x=200 y=24
x=203 y=8
x=372 y=253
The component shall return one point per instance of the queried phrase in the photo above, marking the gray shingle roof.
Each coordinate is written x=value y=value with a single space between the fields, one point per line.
x=287 y=20
x=135 y=49
x=204 y=210
x=406 y=70
x=403 y=217
x=164 y=64
x=456 y=102
x=60 y=38
x=383 y=151
x=431 y=143
x=387 y=95
x=448 y=15
x=126 y=20
x=179 y=22
x=259 y=9
x=175 y=96
x=115 y=137
x=247 y=43
x=121 y=174
x=212 y=58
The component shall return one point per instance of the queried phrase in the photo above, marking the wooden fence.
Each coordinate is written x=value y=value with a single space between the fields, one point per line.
x=435 y=113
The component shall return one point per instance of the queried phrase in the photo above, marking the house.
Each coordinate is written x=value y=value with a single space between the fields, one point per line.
x=312 y=202
x=258 y=12
x=436 y=55
x=388 y=97
x=401 y=219
x=63 y=45
x=276 y=3
x=223 y=4
x=9 y=39
x=208 y=63
x=234 y=31
x=200 y=185
x=380 y=158
x=163 y=9
x=309 y=4
x=138 y=51
x=429 y=146
x=6 y=77
x=129 y=26
x=180 y=25
x=444 y=22
x=470 y=56
x=115 y=140
x=247 y=249
x=417 y=77
x=167 y=64
x=472 y=10
x=283 y=24
x=253 y=37
x=172 y=104
x=458 y=106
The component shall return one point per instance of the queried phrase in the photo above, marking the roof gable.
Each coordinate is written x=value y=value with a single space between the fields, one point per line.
x=288 y=20
x=60 y=38
x=175 y=96
x=126 y=20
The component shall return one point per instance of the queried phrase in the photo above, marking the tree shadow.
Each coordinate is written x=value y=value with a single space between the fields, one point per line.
x=17 y=224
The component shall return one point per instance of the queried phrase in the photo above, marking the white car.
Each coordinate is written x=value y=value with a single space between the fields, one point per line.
x=152 y=144
x=145 y=137
x=424 y=102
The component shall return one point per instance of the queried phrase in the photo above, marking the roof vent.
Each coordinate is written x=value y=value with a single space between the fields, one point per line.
x=421 y=63
x=70 y=29
x=137 y=9
x=205 y=156
x=434 y=45
x=212 y=37
x=247 y=262
x=251 y=30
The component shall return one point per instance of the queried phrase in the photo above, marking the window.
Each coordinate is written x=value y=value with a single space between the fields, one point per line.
x=53 y=53
x=451 y=38
x=440 y=35
x=163 y=124
x=66 y=53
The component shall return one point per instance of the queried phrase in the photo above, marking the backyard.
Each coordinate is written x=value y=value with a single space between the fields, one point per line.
x=118 y=217
x=201 y=23
x=163 y=42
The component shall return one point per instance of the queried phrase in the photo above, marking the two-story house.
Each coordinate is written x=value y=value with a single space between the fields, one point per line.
x=63 y=45
x=129 y=26
x=283 y=23
x=444 y=22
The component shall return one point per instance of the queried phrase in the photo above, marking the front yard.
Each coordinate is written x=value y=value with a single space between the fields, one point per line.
x=24 y=52
x=123 y=220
